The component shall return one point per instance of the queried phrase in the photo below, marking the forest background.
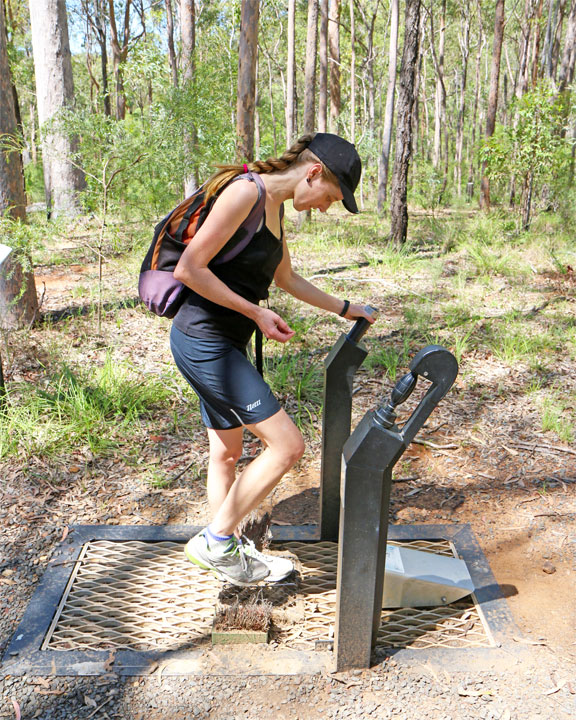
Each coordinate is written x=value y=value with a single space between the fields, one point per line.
x=463 y=113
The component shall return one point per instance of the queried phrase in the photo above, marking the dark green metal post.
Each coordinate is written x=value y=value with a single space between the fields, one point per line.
x=368 y=458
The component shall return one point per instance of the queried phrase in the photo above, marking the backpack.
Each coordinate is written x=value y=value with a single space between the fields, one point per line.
x=157 y=287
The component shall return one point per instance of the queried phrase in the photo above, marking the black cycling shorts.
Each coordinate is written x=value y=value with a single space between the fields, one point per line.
x=232 y=392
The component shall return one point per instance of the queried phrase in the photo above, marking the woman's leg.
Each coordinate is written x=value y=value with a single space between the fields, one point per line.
x=284 y=447
x=225 y=451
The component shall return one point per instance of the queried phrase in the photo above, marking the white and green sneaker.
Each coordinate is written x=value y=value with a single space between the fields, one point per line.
x=226 y=559
x=279 y=567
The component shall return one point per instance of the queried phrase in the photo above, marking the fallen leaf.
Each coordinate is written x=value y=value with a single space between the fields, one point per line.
x=16 y=709
x=74 y=469
x=109 y=661
x=526 y=641
x=555 y=689
x=90 y=702
x=41 y=681
x=65 y=534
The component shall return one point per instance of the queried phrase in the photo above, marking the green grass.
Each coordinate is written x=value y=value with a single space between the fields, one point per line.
x=97 y=408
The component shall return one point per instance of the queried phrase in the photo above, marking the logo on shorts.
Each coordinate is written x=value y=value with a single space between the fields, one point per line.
x=253 y=405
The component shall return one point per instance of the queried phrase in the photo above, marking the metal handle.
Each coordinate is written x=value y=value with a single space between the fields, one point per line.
x=361 y=325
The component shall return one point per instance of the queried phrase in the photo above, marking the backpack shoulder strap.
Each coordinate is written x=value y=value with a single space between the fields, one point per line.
x=250 y=225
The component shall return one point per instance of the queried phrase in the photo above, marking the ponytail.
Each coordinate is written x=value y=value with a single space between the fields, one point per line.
x=296 y=154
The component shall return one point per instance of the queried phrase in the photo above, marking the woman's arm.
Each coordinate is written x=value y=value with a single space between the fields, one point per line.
x=302 y=289
x=225 y=217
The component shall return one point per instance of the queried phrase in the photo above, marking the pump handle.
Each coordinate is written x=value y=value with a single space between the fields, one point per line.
x=361 y=325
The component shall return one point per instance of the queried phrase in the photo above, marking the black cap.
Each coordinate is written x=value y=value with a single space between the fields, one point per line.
x=343 y=160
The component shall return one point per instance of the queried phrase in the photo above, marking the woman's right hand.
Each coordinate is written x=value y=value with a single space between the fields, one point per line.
x=273 y=327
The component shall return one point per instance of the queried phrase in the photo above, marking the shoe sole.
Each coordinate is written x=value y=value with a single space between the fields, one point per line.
x=219 y=574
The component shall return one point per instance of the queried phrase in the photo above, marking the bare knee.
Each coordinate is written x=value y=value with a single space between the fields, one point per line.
x=291 y=448
x=226 y=457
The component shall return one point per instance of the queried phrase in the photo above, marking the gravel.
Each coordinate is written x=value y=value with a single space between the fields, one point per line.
x=388 y=690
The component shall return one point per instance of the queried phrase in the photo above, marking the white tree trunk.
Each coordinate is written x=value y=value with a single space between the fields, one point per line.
x=18 y=302
x=290 y=75
x=54 y=92
x=187 y=70
x=389 y=113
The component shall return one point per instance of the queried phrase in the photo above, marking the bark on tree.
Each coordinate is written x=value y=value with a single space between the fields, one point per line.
x=310 y=67
x=97 y=18
x=440 y=95
x=389 y=113
x=566 y=73
x=291 y=75
x=54 y=92
x=310 y=83
x=187 y=70
x=352 y=74
x=323 y=68
x=120 y=46
x=18 y=301
x=171 y=49
x=334 y=56
x=247 y=55
x=408 y=67
x=493 y=95
x=464 y=53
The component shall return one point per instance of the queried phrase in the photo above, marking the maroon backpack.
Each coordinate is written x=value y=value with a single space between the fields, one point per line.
x=157 y=287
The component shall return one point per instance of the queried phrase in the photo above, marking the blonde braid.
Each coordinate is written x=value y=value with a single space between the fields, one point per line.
x=296 y=154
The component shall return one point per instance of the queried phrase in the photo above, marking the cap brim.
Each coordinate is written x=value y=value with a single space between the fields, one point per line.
x=349 y=200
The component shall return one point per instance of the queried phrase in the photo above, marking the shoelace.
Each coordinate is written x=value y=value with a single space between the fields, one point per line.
x=254 y=552
x=239 y=550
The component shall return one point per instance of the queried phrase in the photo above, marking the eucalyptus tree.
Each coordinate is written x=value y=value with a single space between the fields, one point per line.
x=55 y=92
x=334 y=59
x=18 y=302
x=493 y=94
x=247 y=56
x=406 y=98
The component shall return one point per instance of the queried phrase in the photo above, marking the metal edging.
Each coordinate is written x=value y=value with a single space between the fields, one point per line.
x=25 y=656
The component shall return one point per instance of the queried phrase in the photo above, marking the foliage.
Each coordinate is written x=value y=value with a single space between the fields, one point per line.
x=78 y=407
x=532 y=149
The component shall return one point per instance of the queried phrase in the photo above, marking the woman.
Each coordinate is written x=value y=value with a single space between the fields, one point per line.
x=215 y=323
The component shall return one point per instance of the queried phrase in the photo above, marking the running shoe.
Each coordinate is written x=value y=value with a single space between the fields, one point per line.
x=279 y=567
x=226 y=559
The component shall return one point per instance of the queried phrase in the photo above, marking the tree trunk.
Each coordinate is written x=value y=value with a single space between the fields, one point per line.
x=310 y=83
x=465 y=51
x=171 y=50
x=493 y=95
x=291 y=75
x=566 y=73
x=389 y=114
x=440 y=95
x=473 y=125
x=18 y=301
x=54 y=92
x=119 y=53
x=334 y=53
x=247 y=55
x=12 y=195
x=352 y=74
x=310 y=67
x=399 y=191
x=323 y=68
x=187 y=70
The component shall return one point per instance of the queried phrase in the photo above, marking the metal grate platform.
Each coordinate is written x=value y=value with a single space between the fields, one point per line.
x=125 y=599
x=143 y=596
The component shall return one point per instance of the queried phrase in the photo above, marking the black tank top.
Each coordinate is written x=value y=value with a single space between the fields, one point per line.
x=250 y=275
